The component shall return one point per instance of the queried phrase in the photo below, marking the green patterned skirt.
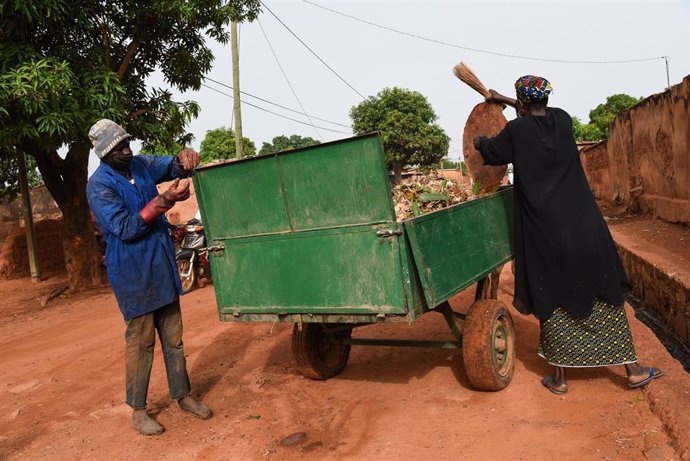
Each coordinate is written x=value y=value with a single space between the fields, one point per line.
x=601 y=339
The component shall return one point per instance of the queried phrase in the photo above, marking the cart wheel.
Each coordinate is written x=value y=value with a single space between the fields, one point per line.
x=316 y=350
x=488 y=345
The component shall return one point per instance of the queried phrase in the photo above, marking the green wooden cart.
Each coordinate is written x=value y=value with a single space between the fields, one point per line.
x=309 y=236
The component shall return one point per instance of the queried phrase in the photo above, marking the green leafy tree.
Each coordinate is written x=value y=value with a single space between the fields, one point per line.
x=586 y=132
x=281 y=143
x=219 y=144
x=64 y=65
x=448 y=164
x=602 y=115
x=9 y=173
x=407 y=122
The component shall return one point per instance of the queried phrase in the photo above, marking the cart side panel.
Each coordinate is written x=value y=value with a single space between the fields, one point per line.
x=457 y=246
x=332 y=271
x=242 y=198
x=337 y=184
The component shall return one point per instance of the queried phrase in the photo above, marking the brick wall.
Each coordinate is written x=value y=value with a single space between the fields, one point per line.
x=14 y=260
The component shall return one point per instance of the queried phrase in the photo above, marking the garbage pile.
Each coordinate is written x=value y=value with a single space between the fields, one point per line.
x=424 y=194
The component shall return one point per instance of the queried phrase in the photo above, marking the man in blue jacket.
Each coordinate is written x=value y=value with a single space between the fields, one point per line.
x=141 y=262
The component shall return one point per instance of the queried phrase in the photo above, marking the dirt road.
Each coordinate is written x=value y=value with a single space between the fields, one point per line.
x=62 y=387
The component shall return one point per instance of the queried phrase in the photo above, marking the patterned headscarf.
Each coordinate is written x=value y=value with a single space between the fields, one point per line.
x=531 y=88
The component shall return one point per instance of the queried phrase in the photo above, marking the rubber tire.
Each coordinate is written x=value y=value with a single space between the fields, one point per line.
x=483 y=372
x=184 y=262
x=307 y=348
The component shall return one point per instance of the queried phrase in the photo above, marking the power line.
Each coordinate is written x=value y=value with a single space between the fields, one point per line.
x=270 y=112
x=275 y=104
x=477 y=50
x=288 y=80
x=312 y=51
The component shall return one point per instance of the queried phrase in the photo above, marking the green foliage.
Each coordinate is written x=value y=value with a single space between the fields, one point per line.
x=9 y=174
x=586 y=132
x=463 y=168
x=281 y=143
x=219 y=144
x=407 y=122
x=66 y=64
x=448 y=164
x=602 y=115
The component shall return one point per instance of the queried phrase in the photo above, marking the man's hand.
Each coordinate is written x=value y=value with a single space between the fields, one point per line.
x=188 y=159
x=178 y=191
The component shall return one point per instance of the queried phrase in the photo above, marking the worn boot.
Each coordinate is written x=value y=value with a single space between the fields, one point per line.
x=142 y=422
x=194 y=408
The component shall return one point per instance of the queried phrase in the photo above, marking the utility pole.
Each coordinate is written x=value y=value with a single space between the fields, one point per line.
x=237 y=108
x=28 y=218
x=668 y=78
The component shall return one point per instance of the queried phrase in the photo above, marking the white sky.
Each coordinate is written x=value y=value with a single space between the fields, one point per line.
x=370 y=58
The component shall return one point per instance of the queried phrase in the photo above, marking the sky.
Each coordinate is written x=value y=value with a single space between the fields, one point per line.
x=370 y=59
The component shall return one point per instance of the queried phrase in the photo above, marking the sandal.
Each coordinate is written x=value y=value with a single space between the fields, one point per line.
x=551 y=384
x=653 y=374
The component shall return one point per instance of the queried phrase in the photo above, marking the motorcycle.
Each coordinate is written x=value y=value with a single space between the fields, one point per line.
x=192 y=256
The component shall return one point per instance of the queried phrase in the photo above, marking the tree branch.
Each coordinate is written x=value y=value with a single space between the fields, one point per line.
x=50 y=165
x=106 y=45
x=140 y=112
x=131 y=51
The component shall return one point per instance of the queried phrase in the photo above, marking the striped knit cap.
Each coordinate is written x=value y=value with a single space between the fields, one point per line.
x=105 y=135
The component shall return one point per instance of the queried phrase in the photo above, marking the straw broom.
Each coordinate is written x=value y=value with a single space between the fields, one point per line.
x=465 y=74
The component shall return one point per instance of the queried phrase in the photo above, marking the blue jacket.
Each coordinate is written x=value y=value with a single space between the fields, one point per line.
x=139 y=256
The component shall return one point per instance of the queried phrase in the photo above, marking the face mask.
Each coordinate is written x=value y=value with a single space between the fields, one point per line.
x=120 y=160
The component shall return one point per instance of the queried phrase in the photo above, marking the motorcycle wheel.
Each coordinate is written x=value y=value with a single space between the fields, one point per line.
x=188 y=282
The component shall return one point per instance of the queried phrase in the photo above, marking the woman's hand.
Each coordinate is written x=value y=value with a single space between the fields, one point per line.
x=477 y=142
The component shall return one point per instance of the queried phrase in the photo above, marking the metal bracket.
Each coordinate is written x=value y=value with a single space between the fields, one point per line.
x=236 y=312
x=388 y=232
x=215 y=248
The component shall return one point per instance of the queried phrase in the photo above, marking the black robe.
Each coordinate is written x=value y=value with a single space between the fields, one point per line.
x=564 y=253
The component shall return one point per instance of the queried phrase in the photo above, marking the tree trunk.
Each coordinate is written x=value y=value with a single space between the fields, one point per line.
x=397 y=172
x=66 y=182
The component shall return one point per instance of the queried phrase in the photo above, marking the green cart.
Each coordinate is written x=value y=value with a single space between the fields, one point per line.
x=309 y=236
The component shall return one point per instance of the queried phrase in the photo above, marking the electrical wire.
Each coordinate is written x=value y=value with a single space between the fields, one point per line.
x=304 y=112
x=313 y=52
x=270 y=112
x=275 y=104
x=477 y=50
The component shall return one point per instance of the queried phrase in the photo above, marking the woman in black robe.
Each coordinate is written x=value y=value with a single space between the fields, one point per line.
x=567 y=270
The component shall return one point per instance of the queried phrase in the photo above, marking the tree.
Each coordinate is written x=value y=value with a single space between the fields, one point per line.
x=9 y=174
x=64 y=65
x=586 y=132
x=407 y=122
x=219 y=144
x=281 y=143
x=602 y=115
x=448 y=164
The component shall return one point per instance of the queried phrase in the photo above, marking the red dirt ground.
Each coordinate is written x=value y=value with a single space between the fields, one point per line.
x=62 y=390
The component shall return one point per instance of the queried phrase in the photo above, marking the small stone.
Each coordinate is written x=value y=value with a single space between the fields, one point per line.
x=293 y=439
x=15 y=413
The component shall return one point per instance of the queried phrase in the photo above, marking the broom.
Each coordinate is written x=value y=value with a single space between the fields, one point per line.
x=465 y=74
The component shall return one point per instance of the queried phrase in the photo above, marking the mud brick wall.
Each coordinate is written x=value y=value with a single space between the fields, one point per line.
x=645 y=163
x=661 y=290
x=14 y=259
